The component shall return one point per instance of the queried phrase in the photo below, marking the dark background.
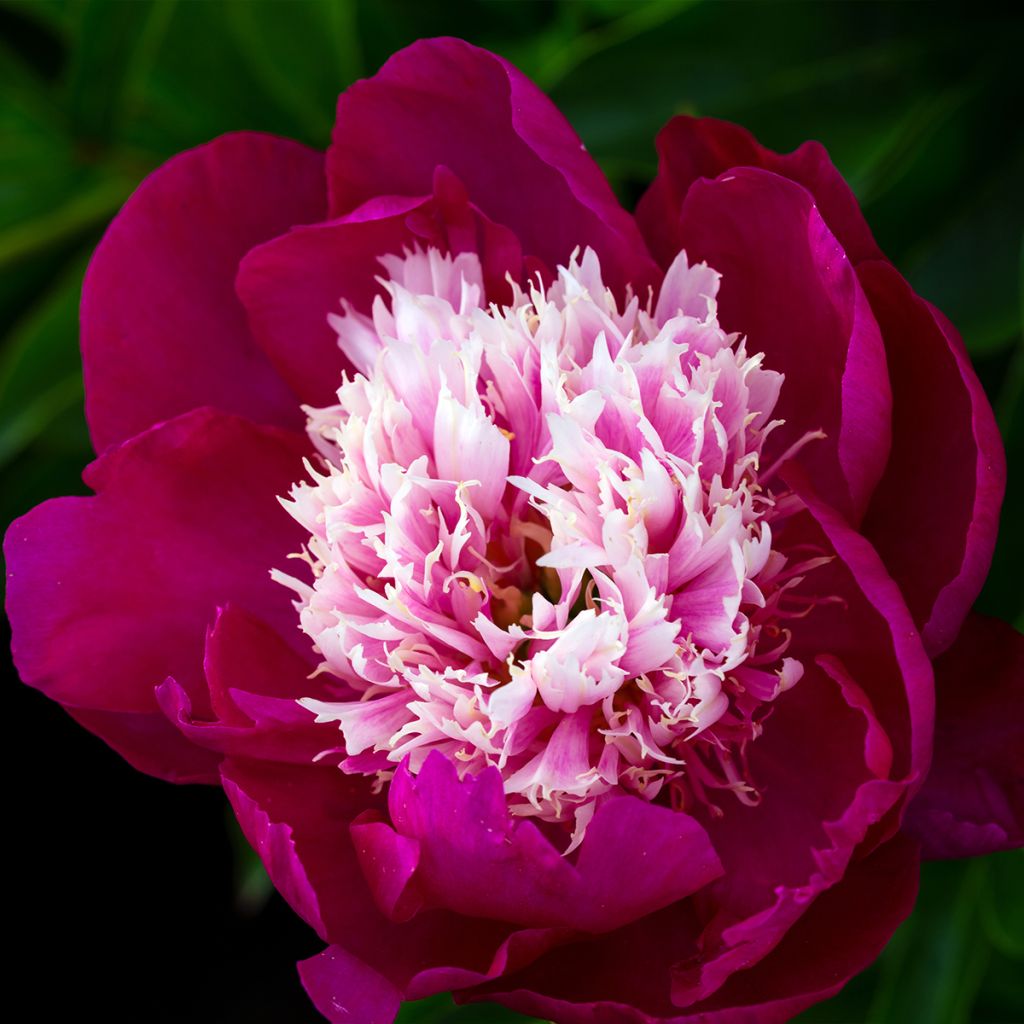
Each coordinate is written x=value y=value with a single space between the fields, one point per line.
x=137 y=901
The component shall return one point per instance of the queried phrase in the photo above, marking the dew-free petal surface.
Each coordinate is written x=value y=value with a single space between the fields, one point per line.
x=162 y=329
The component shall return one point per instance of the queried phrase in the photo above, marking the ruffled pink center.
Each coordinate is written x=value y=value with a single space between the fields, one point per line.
x=539 y=540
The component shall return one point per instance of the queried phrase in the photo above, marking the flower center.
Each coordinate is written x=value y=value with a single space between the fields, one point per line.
x=538 y=539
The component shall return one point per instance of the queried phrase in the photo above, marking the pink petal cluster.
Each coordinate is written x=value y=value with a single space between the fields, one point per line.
x=538 y=537
x=586 y=494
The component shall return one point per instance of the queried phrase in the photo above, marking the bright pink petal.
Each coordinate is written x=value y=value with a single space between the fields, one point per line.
x=973 y=801
x=443 y=102
x=473 y=860
x=162 y=330
x=691 y=148
x=109 y=595
x=935 y=515
x=300 y=821
x=788 y=285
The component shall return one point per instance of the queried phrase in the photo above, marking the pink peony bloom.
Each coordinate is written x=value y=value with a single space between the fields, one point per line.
x=611 y=656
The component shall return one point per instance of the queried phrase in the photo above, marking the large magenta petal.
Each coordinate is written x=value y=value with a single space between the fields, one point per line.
x=935 y=515
x=823 y=793
x=162 y=330
x=472 y=859
x=109 y=595
x=255 y=680
x=788 y=285
x=290 y=284
x=840 y=934
x=973 y=801
x=443 y=102
x=298 y=819
x=802 y=846
x=860 y=616
x=691 y=148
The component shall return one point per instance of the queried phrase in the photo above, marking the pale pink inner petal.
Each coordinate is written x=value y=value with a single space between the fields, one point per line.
x=538 y=540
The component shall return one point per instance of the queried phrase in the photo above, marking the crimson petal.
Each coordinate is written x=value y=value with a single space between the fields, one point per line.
x=935 y=515
x=444 y=102
x=255 y=680
x=973 y=801
x=690 y=148
x=162 y=330
x=290 y=284
x=788 y=285
x=839 y=935
x=111 y=594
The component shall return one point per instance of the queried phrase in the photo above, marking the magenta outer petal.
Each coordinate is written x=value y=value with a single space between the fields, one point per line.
x=389 y=862
x=846 y=928
x=825 y=794
x=264 y=813
x=945 y=442
x=871 y=619
x=290 y=284
x=298 y=819
x=346 y=990
x=839 y=935
x=691 y=148
x=973 y=801
x=162 y=330
x=444 y=102
x=475 y=861
x=788 y=285
x=944 y=435
x=109 y=595
x=255 y=680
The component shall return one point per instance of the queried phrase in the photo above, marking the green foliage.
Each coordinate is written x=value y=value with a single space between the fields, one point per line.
x=919 y=105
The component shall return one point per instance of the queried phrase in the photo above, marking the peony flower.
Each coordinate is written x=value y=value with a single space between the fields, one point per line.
x=574 y=608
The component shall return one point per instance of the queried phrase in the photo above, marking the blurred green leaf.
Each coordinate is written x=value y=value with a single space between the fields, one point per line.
x=551 y=56
x=111 y=61
x=89 y=205
x=40 y=369
x=442 y=1010
x=55 y=14
x=51 y=191
x=260 y=65
x=1002 y=908
x=303 y=53
x=252 y=884
x=946 y=953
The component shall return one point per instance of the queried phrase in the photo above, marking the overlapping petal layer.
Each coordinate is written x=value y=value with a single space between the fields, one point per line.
x=162 y=332
x=540 y=541
x=567 y=568
x=942 y=422
x=443 y=102
x=109 y=595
